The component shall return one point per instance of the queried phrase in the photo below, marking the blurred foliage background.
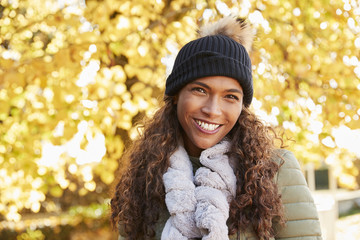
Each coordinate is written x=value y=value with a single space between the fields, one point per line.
x=77 y=75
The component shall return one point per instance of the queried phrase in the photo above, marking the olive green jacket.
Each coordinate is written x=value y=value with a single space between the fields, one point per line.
x=300 y=210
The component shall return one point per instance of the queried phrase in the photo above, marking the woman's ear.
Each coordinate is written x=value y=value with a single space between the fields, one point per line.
x=243 y=111
x=175 y=100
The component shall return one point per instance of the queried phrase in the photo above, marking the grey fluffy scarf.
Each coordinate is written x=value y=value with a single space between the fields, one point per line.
x=199 y=205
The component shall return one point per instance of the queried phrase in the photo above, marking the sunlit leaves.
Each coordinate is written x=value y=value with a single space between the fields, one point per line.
x=75 y=79
x=312 y=72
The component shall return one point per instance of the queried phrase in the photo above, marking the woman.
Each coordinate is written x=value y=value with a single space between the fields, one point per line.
x=205 y=166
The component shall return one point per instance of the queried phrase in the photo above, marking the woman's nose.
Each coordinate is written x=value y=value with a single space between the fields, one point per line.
x=212 y=107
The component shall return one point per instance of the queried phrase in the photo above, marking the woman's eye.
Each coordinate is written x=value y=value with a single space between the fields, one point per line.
x=232 y=97
x=198 y=89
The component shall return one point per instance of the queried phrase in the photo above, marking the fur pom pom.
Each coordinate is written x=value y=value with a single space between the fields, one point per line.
x=236 y=28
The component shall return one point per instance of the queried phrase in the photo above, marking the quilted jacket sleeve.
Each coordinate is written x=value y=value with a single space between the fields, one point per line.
x=300 y=210
x=122 y=233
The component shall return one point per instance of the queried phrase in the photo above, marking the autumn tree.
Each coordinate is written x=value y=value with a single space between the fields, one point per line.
x=76 y=76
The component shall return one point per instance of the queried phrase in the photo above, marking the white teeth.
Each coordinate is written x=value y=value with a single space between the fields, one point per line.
x=207 y=126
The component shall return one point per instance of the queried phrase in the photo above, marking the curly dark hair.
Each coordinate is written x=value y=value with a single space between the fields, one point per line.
x=139 y=196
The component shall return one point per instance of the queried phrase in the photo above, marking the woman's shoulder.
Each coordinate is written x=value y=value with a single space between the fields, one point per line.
x=285 y=159
x=289 y=169
x=301 y=213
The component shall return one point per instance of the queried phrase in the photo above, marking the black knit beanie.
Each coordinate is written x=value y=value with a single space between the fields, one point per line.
x=214 y=55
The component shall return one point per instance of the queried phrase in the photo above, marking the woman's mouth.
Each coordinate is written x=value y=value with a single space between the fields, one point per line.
x=209 y=127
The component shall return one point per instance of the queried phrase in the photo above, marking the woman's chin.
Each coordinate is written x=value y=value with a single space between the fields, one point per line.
x=207 y=145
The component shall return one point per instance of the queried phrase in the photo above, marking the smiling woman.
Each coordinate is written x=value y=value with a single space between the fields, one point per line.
x=207 y=110
x=205 y=166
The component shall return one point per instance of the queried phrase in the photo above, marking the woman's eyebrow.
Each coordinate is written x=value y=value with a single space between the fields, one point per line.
x=232 y=90
x=202 y=84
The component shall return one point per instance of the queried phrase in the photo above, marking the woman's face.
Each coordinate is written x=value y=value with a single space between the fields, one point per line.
x=207 y=109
